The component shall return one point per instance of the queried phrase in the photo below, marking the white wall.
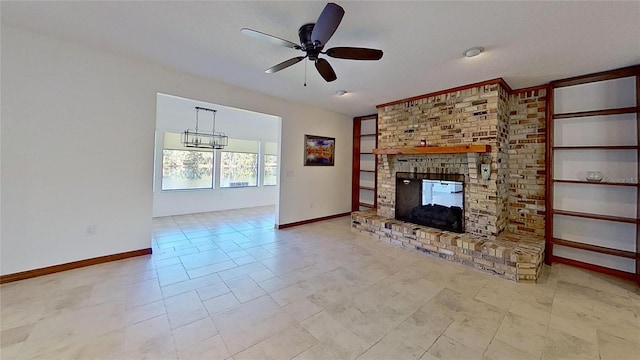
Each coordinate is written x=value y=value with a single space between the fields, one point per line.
x=175 y=114
x=77 y=150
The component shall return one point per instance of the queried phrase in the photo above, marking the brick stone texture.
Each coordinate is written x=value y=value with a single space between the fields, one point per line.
x=514 y=127
x=512 y=124
x=527 y=141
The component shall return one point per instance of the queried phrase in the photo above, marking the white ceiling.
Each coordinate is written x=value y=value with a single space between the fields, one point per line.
x=175 y=114
x=527 y=43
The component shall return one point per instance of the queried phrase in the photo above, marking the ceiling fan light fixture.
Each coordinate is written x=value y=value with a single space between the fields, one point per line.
x=341 y=92
x=474 y=51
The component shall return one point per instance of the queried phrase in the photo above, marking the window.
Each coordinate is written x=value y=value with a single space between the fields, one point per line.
x=185 y=168
x=270 y=164
x=238 y=169
x=239 y=164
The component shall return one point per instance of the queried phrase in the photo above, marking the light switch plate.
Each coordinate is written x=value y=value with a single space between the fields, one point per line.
x=485 y=171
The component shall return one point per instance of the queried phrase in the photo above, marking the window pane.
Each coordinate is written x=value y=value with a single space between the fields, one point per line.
x=270 y=164
x=238 y=169
x=182 y=170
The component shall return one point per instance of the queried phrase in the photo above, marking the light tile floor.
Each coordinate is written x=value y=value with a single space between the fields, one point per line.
x=226 y=284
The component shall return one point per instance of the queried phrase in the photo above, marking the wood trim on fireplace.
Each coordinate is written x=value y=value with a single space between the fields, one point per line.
x=500 y=81
x=530 y=89
x=459 y=88
x=434 y=150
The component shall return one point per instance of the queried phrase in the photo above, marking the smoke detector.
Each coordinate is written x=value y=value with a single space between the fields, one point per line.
x=474 y=51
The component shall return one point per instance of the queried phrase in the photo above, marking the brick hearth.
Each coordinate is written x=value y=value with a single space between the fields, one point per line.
x=511 y=256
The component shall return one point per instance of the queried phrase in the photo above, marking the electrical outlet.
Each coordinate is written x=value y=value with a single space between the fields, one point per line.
x=91 y=230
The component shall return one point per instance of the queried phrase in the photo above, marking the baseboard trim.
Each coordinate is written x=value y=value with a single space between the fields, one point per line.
x=304 y=222
x=72 y=265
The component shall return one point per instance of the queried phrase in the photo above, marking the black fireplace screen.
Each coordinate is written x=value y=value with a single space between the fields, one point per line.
x=434 y=200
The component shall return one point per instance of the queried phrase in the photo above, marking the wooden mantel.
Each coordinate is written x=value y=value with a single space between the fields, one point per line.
x=434 y=150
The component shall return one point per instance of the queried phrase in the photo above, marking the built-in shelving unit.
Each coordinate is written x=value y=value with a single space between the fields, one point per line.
x=365 y=140
x=594 y=126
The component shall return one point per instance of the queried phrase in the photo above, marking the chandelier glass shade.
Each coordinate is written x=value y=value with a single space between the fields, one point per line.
x=202 y=139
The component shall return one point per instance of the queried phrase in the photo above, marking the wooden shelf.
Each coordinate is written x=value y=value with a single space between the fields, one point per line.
x=594 y=182
x=596 y=216
x=595 y=248
x=592 y=267
x=462 y=149
x=612 y=147
x=365 y=137
x=598 y=96
x=627 y=110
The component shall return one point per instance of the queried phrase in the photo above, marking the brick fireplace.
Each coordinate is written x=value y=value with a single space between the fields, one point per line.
x=468 y=117
x=504 y=214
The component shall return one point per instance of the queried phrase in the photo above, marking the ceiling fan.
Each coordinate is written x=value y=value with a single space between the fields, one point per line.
x=313 y=38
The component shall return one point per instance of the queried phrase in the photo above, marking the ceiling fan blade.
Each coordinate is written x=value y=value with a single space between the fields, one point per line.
x=325 y=70
x=355 y=53
x=284 y=64
x=327 y=24
x=270 y=38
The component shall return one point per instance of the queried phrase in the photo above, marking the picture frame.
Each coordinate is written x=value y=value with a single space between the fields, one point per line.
x=319 y=150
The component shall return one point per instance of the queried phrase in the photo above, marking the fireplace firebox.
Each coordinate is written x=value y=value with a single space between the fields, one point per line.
x=434 y=200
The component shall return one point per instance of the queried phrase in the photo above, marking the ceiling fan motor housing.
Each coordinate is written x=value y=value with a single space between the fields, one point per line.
x=308 y=46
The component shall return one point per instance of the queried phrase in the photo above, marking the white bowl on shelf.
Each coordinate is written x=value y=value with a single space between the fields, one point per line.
x=594 y=176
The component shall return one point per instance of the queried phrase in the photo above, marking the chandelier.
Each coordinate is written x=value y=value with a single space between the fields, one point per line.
x=200 y=139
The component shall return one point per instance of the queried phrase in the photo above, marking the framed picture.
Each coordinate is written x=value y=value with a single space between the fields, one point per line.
x=319 y=150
